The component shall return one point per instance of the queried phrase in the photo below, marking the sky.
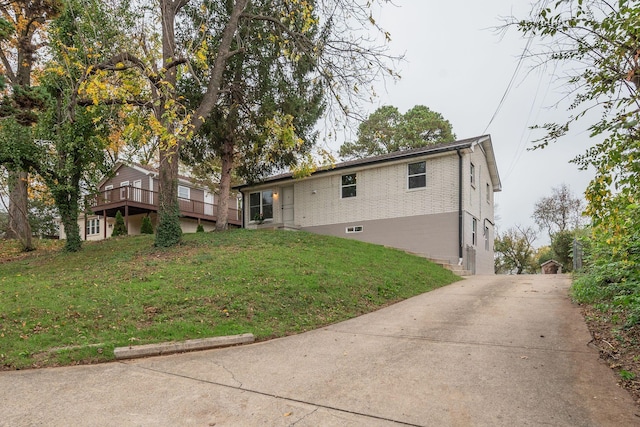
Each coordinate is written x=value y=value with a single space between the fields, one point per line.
x=458 y=65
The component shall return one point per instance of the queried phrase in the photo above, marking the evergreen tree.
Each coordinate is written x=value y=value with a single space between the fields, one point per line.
x=119 y=228
x=146 y=227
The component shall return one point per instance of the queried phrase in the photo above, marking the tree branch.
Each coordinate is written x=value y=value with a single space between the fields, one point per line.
x=7 y=67
x=136 y=102
x=213 y=88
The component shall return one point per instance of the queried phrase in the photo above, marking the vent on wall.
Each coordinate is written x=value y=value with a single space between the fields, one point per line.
x=355 y=229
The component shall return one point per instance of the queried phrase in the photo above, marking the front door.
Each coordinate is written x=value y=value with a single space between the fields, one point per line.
x=208 y=203
x=287 y=206
x=124 y=190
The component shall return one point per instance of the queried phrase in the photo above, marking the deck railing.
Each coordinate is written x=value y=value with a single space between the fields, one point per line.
x=141 y=197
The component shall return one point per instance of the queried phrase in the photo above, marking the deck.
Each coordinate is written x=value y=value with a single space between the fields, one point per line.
x=131 y=200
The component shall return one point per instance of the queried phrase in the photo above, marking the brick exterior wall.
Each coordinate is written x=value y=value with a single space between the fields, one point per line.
x=422 y=220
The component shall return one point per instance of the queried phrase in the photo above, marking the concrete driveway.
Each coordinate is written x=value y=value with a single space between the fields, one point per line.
x=486 y=351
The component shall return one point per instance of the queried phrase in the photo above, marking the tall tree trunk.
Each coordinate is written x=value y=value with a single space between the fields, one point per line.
x=168 y=232
x=69 y=216
x=19 y=227
x=225 y=184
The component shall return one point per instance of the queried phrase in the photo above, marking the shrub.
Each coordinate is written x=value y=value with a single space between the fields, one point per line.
x=200 y=229
x=146 y=227
x=119 y=229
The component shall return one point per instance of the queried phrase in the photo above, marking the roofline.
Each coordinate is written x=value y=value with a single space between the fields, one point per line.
x=152 y=172
x=430 y=150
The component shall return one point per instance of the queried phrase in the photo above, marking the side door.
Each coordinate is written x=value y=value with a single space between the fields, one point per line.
x=137 y=190
x=124 y=190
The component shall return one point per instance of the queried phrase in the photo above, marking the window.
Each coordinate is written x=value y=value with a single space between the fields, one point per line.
x=417 y=173
x=355 y=229
x=472 y=170
x=261 y=205
x=349 y=185
x=488 y=193
x=93 y=226
x=486 y=238
x=474 y=232
x=184 y=192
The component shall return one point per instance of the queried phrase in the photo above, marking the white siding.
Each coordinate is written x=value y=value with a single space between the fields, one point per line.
x=382 y=193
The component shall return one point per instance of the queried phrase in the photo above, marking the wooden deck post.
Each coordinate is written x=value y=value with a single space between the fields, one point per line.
x=104 y=214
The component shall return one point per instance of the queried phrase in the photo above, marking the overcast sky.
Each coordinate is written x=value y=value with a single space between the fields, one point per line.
x=457 y=65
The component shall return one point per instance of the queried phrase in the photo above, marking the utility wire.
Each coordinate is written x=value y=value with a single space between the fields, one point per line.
x=510 y=85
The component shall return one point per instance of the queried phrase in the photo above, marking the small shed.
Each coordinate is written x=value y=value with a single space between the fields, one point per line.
x=551 y=267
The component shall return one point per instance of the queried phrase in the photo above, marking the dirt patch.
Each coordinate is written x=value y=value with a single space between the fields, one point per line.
x=618 y=345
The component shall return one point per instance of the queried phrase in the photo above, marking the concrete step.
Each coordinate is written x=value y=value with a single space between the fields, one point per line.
x=457 y=269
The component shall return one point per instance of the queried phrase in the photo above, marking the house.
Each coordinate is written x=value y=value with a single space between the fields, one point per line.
x=133 y=190
x=551 y=267
x=436 y=201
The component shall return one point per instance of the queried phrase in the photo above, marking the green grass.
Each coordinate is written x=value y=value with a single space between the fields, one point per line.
x=60 y=308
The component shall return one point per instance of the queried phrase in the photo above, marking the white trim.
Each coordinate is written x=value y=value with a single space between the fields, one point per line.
x=151 y=189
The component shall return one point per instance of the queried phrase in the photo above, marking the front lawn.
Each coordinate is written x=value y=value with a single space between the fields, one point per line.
x=60 y=308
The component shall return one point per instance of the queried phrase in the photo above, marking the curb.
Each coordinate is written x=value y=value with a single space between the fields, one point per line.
x=132 y=352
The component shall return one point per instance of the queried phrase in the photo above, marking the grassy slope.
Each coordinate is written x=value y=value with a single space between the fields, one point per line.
x=60 y=308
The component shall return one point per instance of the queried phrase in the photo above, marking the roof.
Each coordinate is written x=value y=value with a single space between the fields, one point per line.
x=551 y=261
x=484 y=141
x=145 y=169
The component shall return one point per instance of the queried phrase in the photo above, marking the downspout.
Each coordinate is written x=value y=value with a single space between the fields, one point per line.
x=243 y=207
x=460 y=216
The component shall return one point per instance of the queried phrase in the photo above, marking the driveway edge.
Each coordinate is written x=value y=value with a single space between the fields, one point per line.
x=133 y=352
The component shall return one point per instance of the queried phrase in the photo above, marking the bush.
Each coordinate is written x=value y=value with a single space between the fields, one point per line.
x=200 y=229
x=119 y=229
x=562 y=246
x=146 y=227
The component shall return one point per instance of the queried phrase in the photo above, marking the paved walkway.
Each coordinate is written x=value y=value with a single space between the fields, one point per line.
x=487 y=351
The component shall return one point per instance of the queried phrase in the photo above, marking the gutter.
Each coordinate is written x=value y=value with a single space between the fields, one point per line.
x=460 y=216
x=399 y=156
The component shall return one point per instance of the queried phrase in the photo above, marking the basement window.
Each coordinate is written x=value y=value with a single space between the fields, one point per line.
x=355 y=229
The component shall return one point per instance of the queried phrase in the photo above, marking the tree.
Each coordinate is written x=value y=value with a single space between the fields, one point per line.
x=559 y=212
x=514 y=250
x=67 y=146
x=386 y=131
x=119 y=228
x=146 y=227
x=562 y=246
x=598 y=40
x=266 y=113
x=347 y=62
x=22 y=33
